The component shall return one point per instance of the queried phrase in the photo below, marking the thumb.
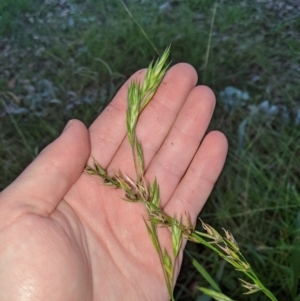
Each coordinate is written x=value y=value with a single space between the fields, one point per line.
x=44 y=183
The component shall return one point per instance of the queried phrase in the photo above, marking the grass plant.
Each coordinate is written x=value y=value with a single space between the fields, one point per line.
x=141 y=191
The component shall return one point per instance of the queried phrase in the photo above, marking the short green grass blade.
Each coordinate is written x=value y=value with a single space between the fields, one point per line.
x=295 y=260
x=215 y=295
x=204 y=273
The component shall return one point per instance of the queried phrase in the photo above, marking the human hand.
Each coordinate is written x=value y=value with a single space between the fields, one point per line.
x=66 y=236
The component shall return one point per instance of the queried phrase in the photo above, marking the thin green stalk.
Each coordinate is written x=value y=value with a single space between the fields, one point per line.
x=209 y=40
x=139 y=26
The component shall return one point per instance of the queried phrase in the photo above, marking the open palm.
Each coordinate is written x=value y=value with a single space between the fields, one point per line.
x=66 y=236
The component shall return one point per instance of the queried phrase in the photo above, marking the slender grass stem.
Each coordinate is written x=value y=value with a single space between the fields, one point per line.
x=209 y=39
x=139 y=26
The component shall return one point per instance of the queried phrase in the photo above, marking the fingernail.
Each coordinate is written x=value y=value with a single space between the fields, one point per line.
x=68 y=125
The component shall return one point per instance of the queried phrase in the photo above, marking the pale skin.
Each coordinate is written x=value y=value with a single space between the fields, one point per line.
x=65 y=236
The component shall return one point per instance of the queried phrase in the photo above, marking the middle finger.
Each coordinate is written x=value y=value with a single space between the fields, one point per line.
x=179 y=148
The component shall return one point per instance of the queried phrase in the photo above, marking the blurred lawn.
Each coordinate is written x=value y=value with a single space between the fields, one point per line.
x=64 y=59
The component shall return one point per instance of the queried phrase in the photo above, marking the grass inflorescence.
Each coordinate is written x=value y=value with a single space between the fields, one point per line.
x=139 y=95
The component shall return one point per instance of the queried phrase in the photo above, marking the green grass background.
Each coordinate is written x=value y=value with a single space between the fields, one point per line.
x=52 y=50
